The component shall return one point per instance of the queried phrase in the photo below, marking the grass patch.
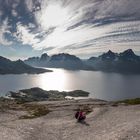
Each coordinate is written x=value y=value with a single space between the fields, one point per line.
x=7 y=104
x=34 y=111
x=85 y=108
x=131 y=101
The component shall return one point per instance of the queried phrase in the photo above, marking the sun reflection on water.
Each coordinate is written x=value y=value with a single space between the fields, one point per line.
x=55 y=80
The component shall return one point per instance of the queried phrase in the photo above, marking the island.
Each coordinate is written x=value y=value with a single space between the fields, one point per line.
x=38 y=94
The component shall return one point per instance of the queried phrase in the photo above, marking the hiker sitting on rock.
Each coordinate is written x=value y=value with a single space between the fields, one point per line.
x=80 y=115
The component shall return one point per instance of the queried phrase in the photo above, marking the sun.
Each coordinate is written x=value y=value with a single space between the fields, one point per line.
x=54 y=15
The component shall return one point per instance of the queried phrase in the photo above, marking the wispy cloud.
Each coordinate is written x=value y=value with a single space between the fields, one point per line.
x=73 y=26
x=4 y=30
x=24 y=35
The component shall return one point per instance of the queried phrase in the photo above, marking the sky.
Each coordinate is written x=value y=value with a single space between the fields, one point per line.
x=80 y=27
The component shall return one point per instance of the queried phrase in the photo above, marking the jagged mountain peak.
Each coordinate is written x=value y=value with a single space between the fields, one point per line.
x=128 y=52
x=19 y=62
x=108 y=55
x=64 y=56
x=44 y=56
x=110 y=52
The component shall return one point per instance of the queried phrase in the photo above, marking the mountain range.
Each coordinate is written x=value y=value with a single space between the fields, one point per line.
x=18 y=67
x=61 y=60
x=125 y=62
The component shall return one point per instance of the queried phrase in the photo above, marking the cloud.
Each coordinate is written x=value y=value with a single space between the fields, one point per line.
x=25 y=35
x=1 y=13
x=14 y=13
x=29 y=4
x=87 y=24
x=4 y=29
x=120 y=8
x=81 y=26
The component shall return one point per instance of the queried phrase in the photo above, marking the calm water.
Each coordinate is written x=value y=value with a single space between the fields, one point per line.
x=107 y=86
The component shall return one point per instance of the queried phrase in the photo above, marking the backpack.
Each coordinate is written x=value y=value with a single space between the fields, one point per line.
x=76 y=114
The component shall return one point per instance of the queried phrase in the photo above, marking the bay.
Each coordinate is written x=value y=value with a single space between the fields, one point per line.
x=101 y=85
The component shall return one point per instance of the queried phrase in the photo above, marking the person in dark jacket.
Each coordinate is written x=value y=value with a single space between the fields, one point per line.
x=80 y=115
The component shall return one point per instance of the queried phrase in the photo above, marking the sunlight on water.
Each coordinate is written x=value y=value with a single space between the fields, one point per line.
x=107 y=86
x=53 y=81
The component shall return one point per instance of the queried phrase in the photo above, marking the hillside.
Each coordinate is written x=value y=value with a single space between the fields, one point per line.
x=125 y=62
x=104 y=121
x=18 y=67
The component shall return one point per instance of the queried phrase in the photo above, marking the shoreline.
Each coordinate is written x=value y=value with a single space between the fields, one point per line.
x=59 y=95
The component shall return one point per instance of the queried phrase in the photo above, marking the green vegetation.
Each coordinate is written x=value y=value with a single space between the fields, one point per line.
x=37 y=94
x=35 y=111
x=131 y=101
x=85 y=108
x=23 y=99
x=6 y=104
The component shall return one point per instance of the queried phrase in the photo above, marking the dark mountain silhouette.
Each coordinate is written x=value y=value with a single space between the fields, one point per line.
x=61 y=60
x=17 y=67
x=65 y=61
x=125 y=62
x=44 y=57
x=109 y=56
x=129 y=55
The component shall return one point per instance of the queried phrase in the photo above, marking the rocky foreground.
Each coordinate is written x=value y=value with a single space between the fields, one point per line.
x=54 y=120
